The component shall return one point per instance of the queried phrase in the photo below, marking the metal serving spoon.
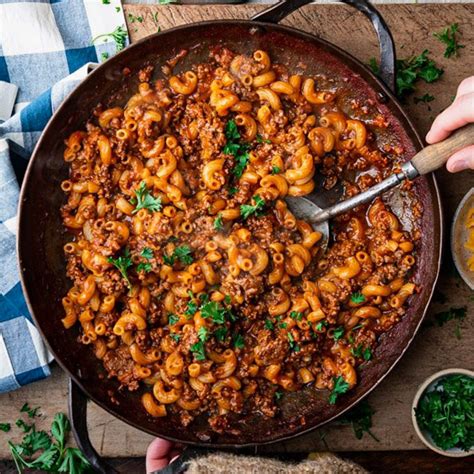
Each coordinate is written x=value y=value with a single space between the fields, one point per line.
x=425 y=161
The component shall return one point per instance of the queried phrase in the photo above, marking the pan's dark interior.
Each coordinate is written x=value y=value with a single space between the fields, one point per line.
x=41 y=236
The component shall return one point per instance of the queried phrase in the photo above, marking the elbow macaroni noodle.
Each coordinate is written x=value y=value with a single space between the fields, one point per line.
x=193 y=281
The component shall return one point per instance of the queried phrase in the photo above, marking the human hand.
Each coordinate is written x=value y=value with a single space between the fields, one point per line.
x=459 y=113
x=160 y=453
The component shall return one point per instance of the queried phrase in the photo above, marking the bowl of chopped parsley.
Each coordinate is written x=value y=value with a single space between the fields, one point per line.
x=443 y=412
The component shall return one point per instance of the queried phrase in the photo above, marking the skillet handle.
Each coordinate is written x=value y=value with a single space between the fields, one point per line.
x=280 y=10
x=77 y=404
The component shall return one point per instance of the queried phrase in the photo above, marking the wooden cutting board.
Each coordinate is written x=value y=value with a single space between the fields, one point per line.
x=434 y=348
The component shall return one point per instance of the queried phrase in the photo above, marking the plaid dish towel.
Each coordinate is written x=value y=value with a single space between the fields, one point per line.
x=46 y=49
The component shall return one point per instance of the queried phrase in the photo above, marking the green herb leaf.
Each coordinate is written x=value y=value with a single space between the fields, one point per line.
x=202 y=333
x=321 y=325
x=448 y=37
x=5 y=427
x=283 y=325
x=276 y=169
x=184 y=254
x=199 y=351
x=218 y=225
x=23 y=426
x=269 y=324
x=239 y=342
x=357 y=351
x=220 y=333
x=122 y=264
x=260 y=139
x=360 y=417
x=296 y=315
x=357 y=298
x=144 y=267
x=176 y=337
x=104 y=56
x=146 y=253
x=452 y=314
x=338 y=333
x=246 y=210
x=32 y=412
x=119 y=35
x=74 y=462
x=278 y=394
x=145 y=200
x=424 y=98
x=60 y=428
x=367 y=353
x=340 y=387
x=232 y=190
x=292 y=342
x=214 y=310
x=172 y=319
x=234 y=147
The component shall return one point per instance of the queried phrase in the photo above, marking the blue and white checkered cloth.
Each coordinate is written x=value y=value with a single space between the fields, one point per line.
x=45 y=51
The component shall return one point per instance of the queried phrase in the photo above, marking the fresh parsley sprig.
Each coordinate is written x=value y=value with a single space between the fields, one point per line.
x=448 y=37
x=119 y=35
x=122 y=263
x=246 y=210
x=236 y=148
x=145 y=200
x=183 y=253
x=360 y=417
x=340 y=387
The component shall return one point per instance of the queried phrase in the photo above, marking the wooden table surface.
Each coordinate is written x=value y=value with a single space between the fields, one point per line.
x=435 y=347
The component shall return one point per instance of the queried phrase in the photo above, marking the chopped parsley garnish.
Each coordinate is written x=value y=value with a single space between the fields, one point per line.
x=220 y=333
x=215 y=311
x=173 y=319
x=227 y=299
x=357 y=351
x=218 y=225
x=367 y=353
x=291 y=341
x=321 y=325
x=21 y=424
x=176 y=337
x=338 y=333
x=198 y=351
x=104 y=56
x=144 y=267
x=106 y=2
x=296 y=315
x=32 y=412
x=239 y=341
x=234 y=147
x=276 y=169
x=283 y=325
x=357 y=298
x=269 y=324
x=278 y=394
x=360 y=417
x=119 y=35
x=340 y=387
x=410 y=70
x=260 y=139
x=145 y=200
x=5 y=427
x=448 y=37
x=132 y=18
x=202 y=333
x=452 y=314
x=191 y=308
x=246 y=210
x=122 y=264
x=447 y=412
x=232 y=190
x=424 y=98
x=182 y=253
x=146 y=253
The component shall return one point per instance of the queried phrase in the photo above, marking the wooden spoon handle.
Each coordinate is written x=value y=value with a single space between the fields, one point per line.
x=435 y=156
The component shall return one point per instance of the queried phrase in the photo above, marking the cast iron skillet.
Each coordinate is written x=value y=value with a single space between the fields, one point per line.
x=41 y=235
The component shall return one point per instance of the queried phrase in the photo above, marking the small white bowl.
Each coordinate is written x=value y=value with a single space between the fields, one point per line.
x=428 y=385
x=459 y=235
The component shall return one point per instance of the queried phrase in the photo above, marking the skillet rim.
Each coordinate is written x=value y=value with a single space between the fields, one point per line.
x=341 y=55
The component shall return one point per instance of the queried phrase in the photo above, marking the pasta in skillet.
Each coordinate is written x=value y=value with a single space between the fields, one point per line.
x=192 y=280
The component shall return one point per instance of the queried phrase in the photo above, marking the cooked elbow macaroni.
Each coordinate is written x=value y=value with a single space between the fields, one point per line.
x=192 y=280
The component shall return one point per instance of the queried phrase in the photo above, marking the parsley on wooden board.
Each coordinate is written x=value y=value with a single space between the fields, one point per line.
x=340 y=387
x=447 y=412
x=360 y=417
x=5 y=427
x=410 y=70
x=41 y=451
x=119 y=35
x=246 y=210
x=448 y=37
x=122 y=263
x=145 y=200
x=32 y=412
x=424 y=98
x=452 y=314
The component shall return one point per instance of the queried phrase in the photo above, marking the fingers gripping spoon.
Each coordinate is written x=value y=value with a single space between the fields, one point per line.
x=427 y=160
